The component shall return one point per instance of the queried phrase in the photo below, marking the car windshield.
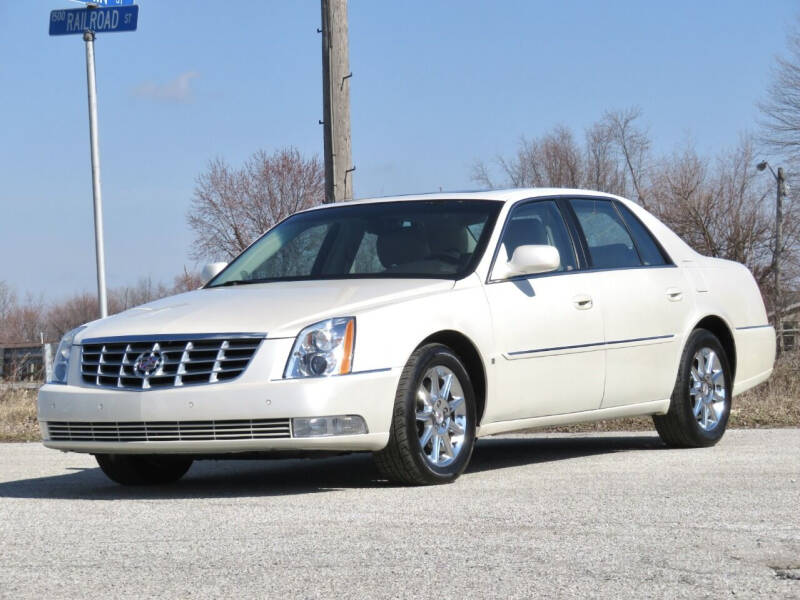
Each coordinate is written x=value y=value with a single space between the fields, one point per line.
x=408 y=239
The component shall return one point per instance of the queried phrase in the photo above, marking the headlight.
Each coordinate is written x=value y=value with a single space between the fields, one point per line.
x=323 y=349
x=61 y=361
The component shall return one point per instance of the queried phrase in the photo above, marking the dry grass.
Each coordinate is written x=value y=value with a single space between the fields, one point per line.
x=775 y=403
x=18 y=416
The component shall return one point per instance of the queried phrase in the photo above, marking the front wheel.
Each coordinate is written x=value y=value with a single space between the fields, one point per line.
x=137 y=469
x=701 y=400
x=433 y=424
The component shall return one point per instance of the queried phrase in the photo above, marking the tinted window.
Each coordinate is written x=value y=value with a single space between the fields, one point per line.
x=648 y=249
x=441 y=239
x=538 y=223
x=610 y=245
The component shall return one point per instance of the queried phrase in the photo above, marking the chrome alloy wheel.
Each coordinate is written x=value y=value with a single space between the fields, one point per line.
x=441 y=416
x=707 y=389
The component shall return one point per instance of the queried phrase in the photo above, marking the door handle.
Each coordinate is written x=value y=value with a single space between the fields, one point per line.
x=674 y=294
x=582 y=302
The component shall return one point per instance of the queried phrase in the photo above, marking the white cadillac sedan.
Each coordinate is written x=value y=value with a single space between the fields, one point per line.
x=408 y=327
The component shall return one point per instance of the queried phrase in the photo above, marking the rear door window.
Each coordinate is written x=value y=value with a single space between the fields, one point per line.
x=648 y=248
x=609 y=244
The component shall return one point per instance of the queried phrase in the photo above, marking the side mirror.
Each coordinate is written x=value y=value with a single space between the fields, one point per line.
x=528 y=260
x=211 y=270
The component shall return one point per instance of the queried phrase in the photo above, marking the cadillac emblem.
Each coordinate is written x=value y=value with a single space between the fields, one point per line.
x=147 y=363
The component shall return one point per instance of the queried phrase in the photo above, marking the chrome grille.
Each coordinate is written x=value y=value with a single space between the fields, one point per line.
x=176 y=361
x=168 y=431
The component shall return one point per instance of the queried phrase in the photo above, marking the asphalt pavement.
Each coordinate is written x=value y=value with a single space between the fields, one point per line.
x=555 y=516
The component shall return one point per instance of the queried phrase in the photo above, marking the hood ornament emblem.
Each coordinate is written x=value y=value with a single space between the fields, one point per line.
x=148 y=363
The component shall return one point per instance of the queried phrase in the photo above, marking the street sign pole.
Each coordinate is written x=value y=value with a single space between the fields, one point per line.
x=88 y=37
x=121 y=15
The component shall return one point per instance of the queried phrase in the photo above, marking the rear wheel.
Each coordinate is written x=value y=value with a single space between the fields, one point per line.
x=701 y=400
x=433 y=424
x=136 y=469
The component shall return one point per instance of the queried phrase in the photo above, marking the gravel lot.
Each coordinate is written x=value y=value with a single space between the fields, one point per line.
x=604 y=515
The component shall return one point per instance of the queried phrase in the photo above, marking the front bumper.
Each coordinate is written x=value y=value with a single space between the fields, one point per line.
x=367 y=394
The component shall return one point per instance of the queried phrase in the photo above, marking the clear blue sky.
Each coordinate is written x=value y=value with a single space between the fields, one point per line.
x=437 y=84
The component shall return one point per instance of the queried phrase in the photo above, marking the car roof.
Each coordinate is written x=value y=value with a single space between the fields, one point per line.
x=506 y=195
x=675 y=246
x=678 y=250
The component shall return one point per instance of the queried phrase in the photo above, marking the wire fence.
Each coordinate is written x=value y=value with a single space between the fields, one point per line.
x=25 y=365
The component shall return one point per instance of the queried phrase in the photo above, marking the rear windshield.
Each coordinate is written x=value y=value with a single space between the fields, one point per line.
x=419 y=239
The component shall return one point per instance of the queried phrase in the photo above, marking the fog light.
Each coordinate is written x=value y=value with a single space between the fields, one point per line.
x=328 y=426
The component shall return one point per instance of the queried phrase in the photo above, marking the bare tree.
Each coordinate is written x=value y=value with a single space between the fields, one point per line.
x=682 y=198
x=554 y=159
x=479 y=173
x=145 y=290
x=8 y=301
x=719 y=207
x=633 y=145
x=780 y=111
x=67 y=314
x=745 y=227
x=186 y=282
x=561 y=159
x=231 y=207
x=602 y=170
x=614 y=158
x=24 y=321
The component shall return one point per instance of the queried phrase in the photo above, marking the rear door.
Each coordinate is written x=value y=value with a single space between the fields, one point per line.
x=644 y=297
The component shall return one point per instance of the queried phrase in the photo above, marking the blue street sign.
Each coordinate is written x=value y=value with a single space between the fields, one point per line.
x=98 y=20
x=106 y=2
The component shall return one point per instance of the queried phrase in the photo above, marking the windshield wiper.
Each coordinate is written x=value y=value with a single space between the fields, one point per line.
x=237 y=282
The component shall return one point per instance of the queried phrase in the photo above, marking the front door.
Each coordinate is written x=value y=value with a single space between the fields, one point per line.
x=550 y=357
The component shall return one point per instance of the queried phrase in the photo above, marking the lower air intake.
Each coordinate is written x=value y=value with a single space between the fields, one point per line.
x=168 y=431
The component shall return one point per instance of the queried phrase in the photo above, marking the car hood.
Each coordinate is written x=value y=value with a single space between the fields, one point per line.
x=279 y=309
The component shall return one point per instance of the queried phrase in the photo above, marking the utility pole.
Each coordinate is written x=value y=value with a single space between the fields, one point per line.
x=336 y=102
x=781 y=180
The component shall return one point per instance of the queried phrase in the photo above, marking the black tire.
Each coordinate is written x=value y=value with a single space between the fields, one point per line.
x=679 y=428
x=404 y=460
x=137 y=469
